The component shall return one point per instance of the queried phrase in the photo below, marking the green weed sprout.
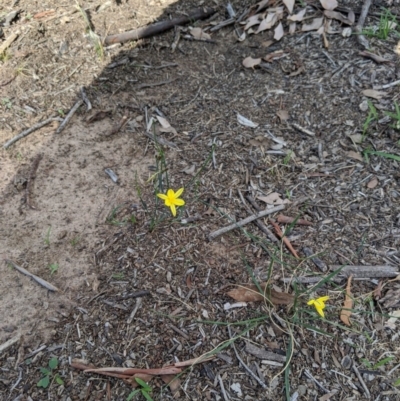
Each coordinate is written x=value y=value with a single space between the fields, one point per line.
x=143 y=389
x=47 y=373
x=395 y=116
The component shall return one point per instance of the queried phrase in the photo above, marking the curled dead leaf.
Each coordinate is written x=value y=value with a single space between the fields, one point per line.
x=373 y=183
x=279 y=32
x=329 y=4
x=283 y=115
x=314 y=25
x=299 y=16
x=355 y=155
x=250 y=293
x=348 y=304
x=250 y=62
x=199 y=34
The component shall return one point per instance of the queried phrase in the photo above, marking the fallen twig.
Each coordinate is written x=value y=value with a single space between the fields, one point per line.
x=289 y=220
x=39 y=280
x=9 y=343
x=75 y=107
x=142 y=86
x=253 y=375
x=302 y=129
x=28 y=131
x=32 y=176
x=364 y=386
x=284 y=239
x=366 y=271
x=135 y=309
x=158 y=27
x=259 y=223
x=86 y=99
x=7 y=43
x=245 y=221
x=360 y=24
x=118 y=126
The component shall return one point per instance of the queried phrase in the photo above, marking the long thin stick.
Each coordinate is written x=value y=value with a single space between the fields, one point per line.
x=39 y=280
x=255 y=377
x=28 y=131
x=158 y=27
x=75 y=107
x=245 y=221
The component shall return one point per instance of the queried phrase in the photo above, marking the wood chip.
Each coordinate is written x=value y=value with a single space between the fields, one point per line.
x=348 y=304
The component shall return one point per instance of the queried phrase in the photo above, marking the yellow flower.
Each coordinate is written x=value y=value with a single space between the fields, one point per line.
x=171 y=199
x=319 y=304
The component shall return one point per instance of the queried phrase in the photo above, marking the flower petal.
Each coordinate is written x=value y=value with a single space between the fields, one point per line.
x=320 y=310
x=173 y=210
x=162 y=196
x=323 y=299
x=171 y=193
x=179 y=192
x=311 y=302
x=179 y=202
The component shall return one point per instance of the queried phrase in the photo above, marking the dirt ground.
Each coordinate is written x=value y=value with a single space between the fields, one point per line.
x=138 y=288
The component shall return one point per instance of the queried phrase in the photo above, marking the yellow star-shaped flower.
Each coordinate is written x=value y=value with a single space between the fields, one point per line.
x=319 y=304
x=171 y=199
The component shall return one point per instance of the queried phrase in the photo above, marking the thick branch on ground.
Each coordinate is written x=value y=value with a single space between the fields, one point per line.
x=366 y=271
x=245 y=221
x=158 y=27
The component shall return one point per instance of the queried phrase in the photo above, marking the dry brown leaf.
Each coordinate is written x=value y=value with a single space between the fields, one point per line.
x=348 y=304
x=279 y=32
x=329 y=4
x=267 y=43
x=250 y=62
x=283 y=115
x=374 y=94
x=267 y=23
x=272 y=199
x=174 y=384
x=274 y=56
x=299 y=16
x=292 y=28
x=165 y=125
x=289 y=4
x=351 y=17
x=198 y=33
x=378 y=290
x=261 y=5
x=338 y=16
x=373 y=183
x=253 y=20
x=355 y=155
x=250 y=293
x=315 y=24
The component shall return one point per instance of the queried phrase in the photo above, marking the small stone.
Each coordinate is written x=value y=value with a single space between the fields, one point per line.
x=302 y=390
x=364 y=105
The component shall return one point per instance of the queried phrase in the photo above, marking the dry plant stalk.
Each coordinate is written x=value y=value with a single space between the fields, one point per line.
x=348 y=304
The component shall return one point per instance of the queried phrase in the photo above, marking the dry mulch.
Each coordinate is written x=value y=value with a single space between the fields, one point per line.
x=140 y=289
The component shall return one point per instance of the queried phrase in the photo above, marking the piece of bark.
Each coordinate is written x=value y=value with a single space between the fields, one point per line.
x=264 y=354
x=245 y=221
x=317 y=261
x=158 y=27
x=366 y=271
x=348 y=304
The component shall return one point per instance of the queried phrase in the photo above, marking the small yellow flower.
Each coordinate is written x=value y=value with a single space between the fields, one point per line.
x=171 y=199
x=319 y=304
